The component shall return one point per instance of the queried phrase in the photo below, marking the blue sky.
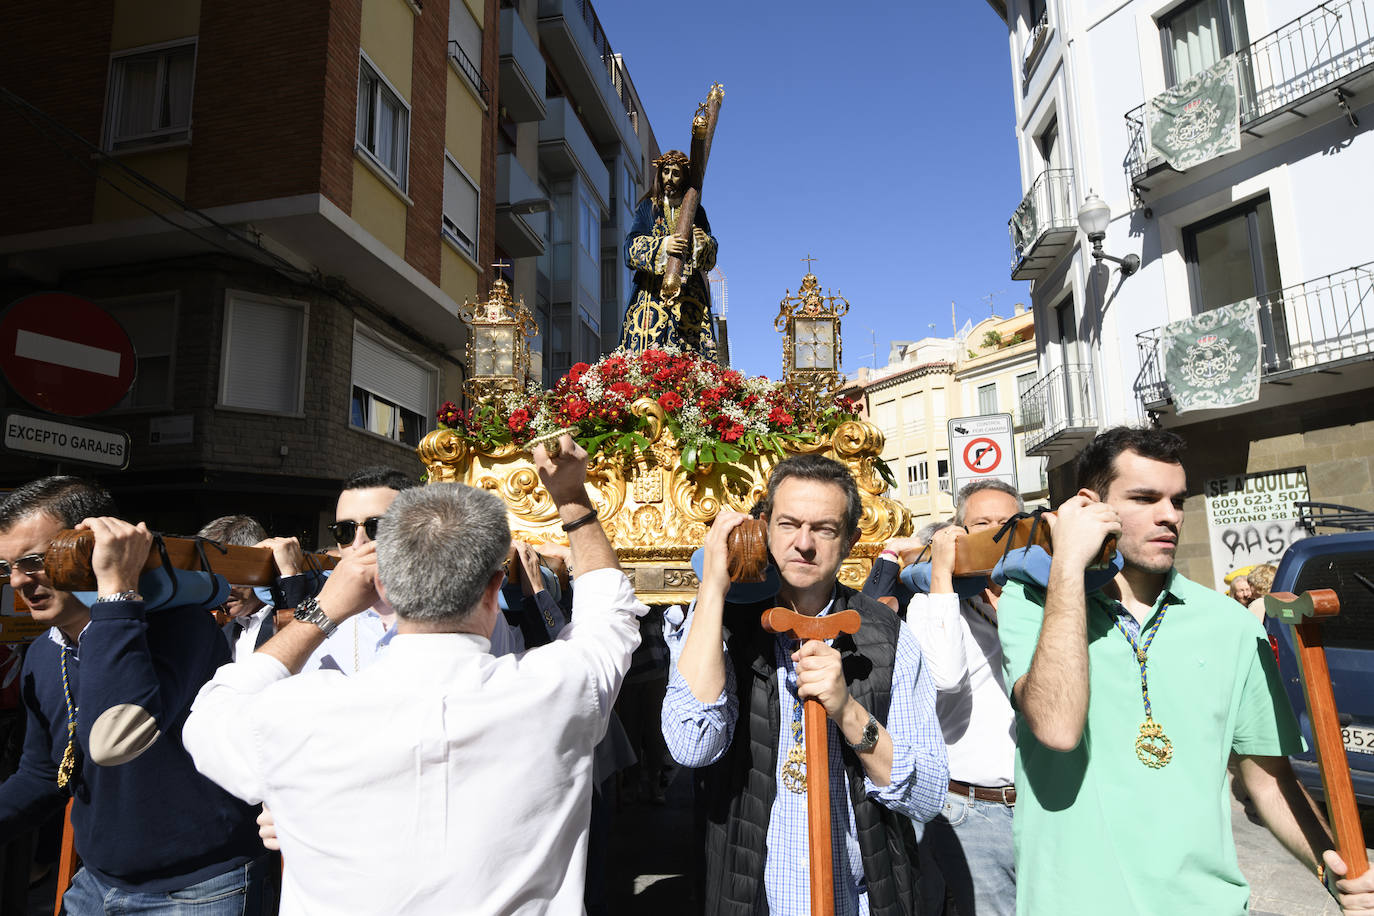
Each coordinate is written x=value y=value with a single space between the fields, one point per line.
x=876 y=136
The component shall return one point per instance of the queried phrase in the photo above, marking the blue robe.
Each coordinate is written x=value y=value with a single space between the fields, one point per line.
x=648 y=323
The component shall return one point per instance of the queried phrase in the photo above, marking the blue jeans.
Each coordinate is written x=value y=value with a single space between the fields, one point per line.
x=247 y=890
x=970 y=845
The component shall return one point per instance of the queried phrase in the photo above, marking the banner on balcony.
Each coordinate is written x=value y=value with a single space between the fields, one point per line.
x=1197 y=120
x=1212 y=360
x=1023 y=224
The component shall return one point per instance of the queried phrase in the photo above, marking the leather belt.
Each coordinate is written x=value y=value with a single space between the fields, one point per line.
x=1006 y=795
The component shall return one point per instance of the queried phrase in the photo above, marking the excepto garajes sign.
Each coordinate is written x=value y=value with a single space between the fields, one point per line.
x=66 y=441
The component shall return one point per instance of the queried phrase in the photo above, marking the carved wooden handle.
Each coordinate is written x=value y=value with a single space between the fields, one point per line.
x=747 y=549
x=976 y=553
x=782 y=620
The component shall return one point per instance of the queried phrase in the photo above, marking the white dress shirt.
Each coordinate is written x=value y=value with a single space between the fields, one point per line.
x=964 y=655
x=247 y=642
x=440 y=779
x=356 y=643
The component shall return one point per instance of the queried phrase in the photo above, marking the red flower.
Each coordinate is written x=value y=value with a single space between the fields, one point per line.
x=670 y=402
x=518 y=420
x=779 y=417
x=576 y=408
x=577 y=371
x=449 y=414
x=623 y=389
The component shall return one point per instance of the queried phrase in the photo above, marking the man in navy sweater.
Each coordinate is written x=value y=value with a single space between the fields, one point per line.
x=153 y=834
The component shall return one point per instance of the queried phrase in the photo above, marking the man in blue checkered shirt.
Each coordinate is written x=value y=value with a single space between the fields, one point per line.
x=735 y=693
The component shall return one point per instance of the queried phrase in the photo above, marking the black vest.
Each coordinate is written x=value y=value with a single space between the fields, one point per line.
x=741 y=786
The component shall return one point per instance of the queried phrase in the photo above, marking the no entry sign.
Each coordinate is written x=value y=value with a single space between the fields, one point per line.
x=65 y=354
x=982 y=448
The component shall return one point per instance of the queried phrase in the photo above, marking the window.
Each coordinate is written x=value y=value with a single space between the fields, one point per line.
x=631 y=193
x=914 y=414
x=1200 y=33
x=885 y=418
x=465 y=43
x=1024 y=382
x=590 y=229
x=1048 y=143
x=1233 y=257
x=393 y=393
x=917 y=477
x=987 y=398
x=461 y=199
x=942 y=469
x=383 y=123
x=151 y=326
x=150 y=97
x=261 y=367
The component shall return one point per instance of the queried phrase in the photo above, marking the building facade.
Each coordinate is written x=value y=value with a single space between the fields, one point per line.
x=282 y=204
x=574 y=153
x=1282 y=220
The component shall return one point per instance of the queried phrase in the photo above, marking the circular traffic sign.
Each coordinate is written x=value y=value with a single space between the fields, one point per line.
x=65 y=354
x=982 y=455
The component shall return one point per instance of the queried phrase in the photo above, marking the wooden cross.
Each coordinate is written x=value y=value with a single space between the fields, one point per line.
x=799 y=626
x=808 y=259
x=1303 y=613
x=501 y=264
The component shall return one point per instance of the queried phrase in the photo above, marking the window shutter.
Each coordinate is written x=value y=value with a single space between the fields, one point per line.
x=389 y=375
x=463 y=29
x=262 y=355
x=460 y=205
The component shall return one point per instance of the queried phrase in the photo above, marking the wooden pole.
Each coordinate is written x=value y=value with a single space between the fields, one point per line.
x=1303 y=613
x=66 y=863
x=799 y=626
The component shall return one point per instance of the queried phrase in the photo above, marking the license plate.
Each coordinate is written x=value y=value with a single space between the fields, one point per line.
x=1358 y=739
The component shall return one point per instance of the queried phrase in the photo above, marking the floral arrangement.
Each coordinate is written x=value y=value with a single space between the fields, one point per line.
x=716 y=414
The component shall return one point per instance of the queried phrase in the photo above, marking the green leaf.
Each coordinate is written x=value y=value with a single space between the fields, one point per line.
x=689 y=459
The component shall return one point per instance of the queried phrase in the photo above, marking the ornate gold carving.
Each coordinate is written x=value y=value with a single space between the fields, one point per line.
x=660 y=532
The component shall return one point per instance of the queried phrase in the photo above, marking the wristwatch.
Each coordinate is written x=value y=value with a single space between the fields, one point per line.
x=870 y=738
x=130 y=595
x=309 y=611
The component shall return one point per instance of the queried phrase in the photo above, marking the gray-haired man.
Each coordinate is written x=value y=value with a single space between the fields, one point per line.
x=475 y=771
x=971 y=840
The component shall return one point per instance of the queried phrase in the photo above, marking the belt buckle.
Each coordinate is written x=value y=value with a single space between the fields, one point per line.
x=1009 y=802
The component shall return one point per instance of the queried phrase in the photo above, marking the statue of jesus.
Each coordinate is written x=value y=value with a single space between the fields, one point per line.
x=684 y=322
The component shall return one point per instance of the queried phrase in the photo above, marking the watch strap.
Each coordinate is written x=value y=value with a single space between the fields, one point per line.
x=870 y=738
x=309 y=611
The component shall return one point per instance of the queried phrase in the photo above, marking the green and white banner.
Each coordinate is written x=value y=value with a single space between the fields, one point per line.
x=1212 y=360
x=1023 y=228
x=1197 y=120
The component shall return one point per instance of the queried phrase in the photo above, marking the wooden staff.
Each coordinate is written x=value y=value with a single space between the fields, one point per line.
x=1303 y=613
x=978 y=552
x=67 y=560
x=799 y=626
x=703 y=132
x=66 y=863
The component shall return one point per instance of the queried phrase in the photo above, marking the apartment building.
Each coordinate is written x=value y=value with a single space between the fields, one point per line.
x=283 y=205
x=1280 y=219
x=574 y=152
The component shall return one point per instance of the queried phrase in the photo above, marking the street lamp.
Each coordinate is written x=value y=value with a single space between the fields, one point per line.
x=1094 y=216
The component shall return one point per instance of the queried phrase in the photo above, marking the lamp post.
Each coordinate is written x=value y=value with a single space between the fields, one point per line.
x=498 y=348
x=812 y=346
x=1094 y=216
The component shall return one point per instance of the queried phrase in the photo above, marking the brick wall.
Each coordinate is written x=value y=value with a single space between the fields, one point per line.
x=429 y=91
x=486 y=218
x=341 y=102
x=257 y=118
x=62 y=70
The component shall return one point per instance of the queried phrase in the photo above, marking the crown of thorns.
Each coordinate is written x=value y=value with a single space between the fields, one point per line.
x=672 y=156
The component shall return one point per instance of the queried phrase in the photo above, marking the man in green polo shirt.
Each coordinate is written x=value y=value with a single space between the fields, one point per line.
x=1131 y=699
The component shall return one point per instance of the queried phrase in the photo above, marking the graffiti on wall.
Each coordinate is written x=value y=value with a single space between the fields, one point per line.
x=1251 y=518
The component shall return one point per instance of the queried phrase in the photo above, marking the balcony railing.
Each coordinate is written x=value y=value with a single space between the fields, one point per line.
x=1059 y=403
x=1035 y=44
x=1321 y=48
x=609 y=59
x=469 y=69
x=1303 y=327
x=1043 y=225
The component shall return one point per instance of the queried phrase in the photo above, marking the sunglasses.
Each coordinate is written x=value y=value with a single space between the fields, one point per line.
x=31 y=565
x=344 y=532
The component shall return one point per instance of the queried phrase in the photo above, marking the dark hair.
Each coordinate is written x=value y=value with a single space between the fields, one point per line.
x=825 y=470
x=239 y=530
x=977 y=486
x=379 y=476
x=1097 y=462
x=67 y=499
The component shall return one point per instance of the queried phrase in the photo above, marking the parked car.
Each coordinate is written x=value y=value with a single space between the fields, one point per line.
x=1344 y=563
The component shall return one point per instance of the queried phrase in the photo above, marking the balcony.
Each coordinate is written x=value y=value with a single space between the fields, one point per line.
x=1035 y=44
x=517 y=197
x=576 y=45
x=1314 y=62
x=564 y=147
x=1312 y=328
x=1058 y=412
x=1044 y=225
x=522 y=70
x=470 y=69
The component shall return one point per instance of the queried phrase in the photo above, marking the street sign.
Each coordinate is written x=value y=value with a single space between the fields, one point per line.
x=981 y=448
x=66 y=441
x=65 y=354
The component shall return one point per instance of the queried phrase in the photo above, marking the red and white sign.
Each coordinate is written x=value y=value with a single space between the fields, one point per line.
x=982 y=456
x=65 y=354
x=982 y=448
